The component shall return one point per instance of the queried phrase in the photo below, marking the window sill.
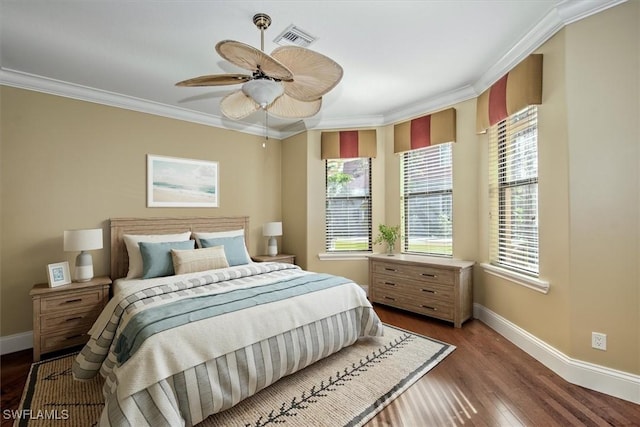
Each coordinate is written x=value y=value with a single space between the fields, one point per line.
x=347 y=256
x=536 y=284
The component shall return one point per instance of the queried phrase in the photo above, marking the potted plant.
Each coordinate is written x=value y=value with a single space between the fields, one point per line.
x=388 y=234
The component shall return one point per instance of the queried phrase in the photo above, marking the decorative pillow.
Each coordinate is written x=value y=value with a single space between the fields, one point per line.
x=234 y=248
x=218 y=234
x=135 y=259
x=195 y=260
x=156 y=257
x=215 y=234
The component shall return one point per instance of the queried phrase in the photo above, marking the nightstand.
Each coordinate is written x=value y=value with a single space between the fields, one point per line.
x=63 y=315
x=289 y=259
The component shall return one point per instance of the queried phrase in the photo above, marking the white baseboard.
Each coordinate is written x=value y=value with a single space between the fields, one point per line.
x=622 y=385
x=16 y=342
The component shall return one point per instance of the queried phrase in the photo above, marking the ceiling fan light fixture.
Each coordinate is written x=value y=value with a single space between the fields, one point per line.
x=263 y=91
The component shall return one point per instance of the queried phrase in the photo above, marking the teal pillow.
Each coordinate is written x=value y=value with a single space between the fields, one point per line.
x=156 y=257
x=234 y=248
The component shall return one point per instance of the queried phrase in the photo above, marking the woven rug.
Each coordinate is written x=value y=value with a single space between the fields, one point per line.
x=346 y=389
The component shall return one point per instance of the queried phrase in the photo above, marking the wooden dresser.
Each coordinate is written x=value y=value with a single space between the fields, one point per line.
x=436 y=287
x=63 y=315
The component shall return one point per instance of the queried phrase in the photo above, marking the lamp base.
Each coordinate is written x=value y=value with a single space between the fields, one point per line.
x=272 y=249
x=84 y=273
x=84 y=267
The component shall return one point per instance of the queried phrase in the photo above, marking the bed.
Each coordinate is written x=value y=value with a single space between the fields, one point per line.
x=176 y=348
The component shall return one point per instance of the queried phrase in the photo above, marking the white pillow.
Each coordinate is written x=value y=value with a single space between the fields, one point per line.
x=133 y=249
x=216 y=234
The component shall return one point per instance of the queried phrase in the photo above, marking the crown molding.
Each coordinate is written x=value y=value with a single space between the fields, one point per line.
x=565 y=13
x=36 y=83
x=574 y=10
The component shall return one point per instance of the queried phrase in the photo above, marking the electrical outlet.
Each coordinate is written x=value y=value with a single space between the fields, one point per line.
x=598 y=340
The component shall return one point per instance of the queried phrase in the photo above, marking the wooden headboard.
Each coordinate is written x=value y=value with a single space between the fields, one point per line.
x=122 y=226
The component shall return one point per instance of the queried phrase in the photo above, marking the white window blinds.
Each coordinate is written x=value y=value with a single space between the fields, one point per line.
x=348 y=205
x=427 y=183
x=513 y=192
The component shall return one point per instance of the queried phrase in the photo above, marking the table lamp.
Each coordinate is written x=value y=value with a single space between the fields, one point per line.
x=83 y=241
x=271 y=230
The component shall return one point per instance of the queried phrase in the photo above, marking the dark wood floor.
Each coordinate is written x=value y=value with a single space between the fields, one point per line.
x=486 y=381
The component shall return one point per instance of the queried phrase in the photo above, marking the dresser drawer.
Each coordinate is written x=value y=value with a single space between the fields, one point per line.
x=429 y=306
x=412 y=288
x=89 y=300
x=415 y=272
x=70 y=338
x=68 y=320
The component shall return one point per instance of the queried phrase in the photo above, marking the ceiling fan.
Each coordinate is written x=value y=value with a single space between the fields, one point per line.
x=289 y=83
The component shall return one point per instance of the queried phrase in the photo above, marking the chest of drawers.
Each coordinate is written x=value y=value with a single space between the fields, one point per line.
x=436 y=287
x=63 y=315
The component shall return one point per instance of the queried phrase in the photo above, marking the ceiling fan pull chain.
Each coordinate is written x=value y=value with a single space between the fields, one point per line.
x=266 y=129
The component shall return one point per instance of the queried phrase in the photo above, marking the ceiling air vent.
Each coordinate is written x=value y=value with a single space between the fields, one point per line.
x=294 y=36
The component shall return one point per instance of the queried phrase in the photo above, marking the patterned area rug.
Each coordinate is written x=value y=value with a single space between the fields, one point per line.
x=348 y=388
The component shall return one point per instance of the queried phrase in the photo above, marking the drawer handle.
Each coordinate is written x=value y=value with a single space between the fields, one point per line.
x=389 y=298
x=389 y=283
x=73 y=337
x=429 y=291
x=433 y=276
x=71 y=301
x=430 y=308
x=71 y=319
x=390 y=269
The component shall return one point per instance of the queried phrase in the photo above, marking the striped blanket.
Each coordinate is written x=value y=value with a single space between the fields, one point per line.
x=175 y=350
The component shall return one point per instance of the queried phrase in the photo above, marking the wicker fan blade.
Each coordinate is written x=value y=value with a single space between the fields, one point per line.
x=314 y=74
x=237 y=105
x=287 y=107
x=216 y=80
x=252 y=59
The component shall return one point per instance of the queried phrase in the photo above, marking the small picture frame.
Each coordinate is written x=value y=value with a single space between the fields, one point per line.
x=58 y=274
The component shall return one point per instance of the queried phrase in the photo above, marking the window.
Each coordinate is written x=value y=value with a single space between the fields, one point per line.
x=348 y=205
x=427 y=183
x=513 y=192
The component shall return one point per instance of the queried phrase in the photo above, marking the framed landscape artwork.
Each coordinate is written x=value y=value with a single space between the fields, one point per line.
x=175 y=182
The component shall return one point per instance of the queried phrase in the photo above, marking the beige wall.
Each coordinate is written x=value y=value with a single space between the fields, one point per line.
x=589 y=196
x=70 y=164
x=545 y=316
x=603 y=78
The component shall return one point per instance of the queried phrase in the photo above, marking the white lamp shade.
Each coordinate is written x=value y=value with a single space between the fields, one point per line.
x=272 y=229
x=82 y=240
x=263 y=91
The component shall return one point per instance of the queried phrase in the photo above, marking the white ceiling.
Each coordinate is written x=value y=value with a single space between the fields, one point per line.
x=400 y=58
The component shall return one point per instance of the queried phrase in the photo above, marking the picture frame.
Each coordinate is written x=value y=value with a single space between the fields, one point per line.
x=179 y=182
x=58 y=274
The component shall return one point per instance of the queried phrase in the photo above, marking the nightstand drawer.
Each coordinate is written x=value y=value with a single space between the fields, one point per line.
x=58 y=322
x=70 y=338
x=76 y=301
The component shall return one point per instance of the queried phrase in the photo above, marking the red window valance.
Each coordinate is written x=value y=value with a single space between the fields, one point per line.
x=348 y=144
x=436 y=128
x=516 y=90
